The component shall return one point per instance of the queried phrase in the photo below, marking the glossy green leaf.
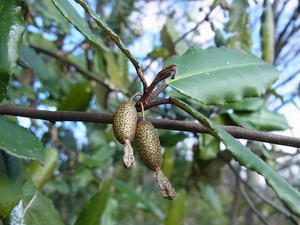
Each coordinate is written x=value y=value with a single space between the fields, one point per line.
x=11 y=30
x=210 y=195
x=267 y=33
x=41 y=174
x=29 y=58
x=78 y=98
x=12 y=179
x=262 y=119
x=176 y=209
x=94 y=209
x=138 y=199
x=38 y=210
x=287 y=194
x=68 y=11
x=220 y=75
x=19 y=142
x=247 y=104
x=113 y=36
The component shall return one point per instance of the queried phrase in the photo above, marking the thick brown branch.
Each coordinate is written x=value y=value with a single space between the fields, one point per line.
x=237 y=132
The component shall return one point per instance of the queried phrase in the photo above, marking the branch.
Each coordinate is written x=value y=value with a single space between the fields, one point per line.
x=193 y=29
x=258 y=194
x=237 y=132
x=252 y=206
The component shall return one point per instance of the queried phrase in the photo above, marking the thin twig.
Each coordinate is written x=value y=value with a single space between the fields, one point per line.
x=237 y=132
x=85 y=72
x=259 y=195
x=162 y=75
x=193 y=29
x=157 y=91
x=252 y=206
x=150 y=93
x=235 y=203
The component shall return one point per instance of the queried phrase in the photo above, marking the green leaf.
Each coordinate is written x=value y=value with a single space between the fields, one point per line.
x=113 y=36
x=41 y=174
x=220 y=75
x=171 y=138
x=287 y=194
x=78 y=98
x=219 y=39
x=39 y=40
x=68 y=11
x=215 y=4
x=241 y=40
x=38 y=210
x=98 y=157
x=247 y=104
x=239 y=23
x=262 y=119
x=169 y=36
x=138 y=199
x=210 y=147
x=176 y=209
x=238 y=11
x=51 y=15
x=30 y=59
x=19 y=142
x=116 y=67
x=158 y=52
x=267 y=33
x=94 y=209
x=11 y=30
x=12 y=179
x=210 y=195
x=168 y=162
x=101 y=92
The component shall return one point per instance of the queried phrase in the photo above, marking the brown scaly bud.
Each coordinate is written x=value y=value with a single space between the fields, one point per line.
x=124 y=127
x=149 y=151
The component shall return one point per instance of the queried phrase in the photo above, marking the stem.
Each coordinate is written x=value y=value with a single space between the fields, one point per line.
x=116 y=39
x=143 y=112
x=133 y=96
x=237 y=132
x=252 y=206
x=258 y=194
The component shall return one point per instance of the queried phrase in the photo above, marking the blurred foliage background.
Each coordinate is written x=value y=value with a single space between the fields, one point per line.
x=84 y=168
